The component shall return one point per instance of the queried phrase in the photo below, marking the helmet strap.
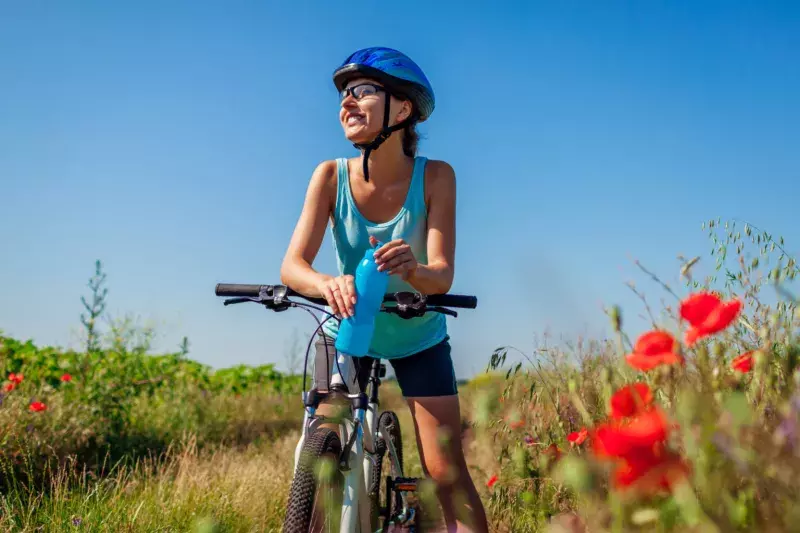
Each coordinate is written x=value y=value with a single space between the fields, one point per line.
x=385 y=133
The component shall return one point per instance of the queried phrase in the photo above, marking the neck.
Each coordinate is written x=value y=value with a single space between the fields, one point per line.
x=388 y=163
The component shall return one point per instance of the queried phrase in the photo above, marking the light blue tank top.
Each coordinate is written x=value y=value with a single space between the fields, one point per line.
x=394 y=337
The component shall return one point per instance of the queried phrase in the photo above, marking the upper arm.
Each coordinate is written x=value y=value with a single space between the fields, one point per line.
x=440 y=186
x=317 y=207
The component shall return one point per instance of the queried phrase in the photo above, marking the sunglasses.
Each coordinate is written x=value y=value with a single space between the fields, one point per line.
x=360 y=91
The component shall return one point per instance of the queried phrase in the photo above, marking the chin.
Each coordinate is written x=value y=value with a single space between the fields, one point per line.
x=357 y=135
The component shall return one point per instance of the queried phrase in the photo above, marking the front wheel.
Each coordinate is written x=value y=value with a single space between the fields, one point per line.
x=315 y=497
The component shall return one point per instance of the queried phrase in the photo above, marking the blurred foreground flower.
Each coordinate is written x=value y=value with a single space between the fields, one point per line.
x=743 y=363
x=631 y=400
x=637 y=448
x=577 y=438
x=9 y=387
x=707 y=314
x=652 y=349
x=37 y=407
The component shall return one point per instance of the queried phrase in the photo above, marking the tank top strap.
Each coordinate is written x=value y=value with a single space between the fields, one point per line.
x=342 y=186
x=416 y=193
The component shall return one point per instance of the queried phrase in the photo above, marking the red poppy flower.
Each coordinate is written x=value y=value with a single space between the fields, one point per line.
x=578 y=437
x=652 y=349
x=615 y=439
x=15 y=378
x=66 y=377
x=492 y=481
x=37 y=407
x=631 y=400
x=707 y=314
x=650 y=470
x=743 y=363
x=9 y=387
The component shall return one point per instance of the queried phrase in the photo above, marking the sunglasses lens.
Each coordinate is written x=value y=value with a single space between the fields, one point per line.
x=360 y=91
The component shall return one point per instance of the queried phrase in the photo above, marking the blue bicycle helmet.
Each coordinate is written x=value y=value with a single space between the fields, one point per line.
x=400 y=76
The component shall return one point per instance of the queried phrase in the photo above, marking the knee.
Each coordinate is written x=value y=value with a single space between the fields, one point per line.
x=444 y=470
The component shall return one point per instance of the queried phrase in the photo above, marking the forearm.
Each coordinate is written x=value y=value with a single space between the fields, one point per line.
x=301 y=277
x=436 y=278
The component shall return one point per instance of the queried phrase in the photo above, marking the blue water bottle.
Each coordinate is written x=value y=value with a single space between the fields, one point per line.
x=355 y=332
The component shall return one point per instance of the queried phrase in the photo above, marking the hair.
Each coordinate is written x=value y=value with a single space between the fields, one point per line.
x=410 y=139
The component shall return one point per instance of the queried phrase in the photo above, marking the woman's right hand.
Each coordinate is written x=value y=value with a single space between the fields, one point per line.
x=340 y=293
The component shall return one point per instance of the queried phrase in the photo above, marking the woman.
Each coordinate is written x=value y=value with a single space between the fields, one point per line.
x=389 y=194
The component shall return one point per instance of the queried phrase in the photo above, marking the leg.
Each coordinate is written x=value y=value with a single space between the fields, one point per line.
x=437 y=422
x=429 y=385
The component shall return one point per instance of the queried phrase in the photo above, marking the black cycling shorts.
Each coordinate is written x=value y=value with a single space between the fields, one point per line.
x=426 y=373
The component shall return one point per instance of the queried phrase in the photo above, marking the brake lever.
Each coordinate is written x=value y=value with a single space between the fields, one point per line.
x=443 y=310
x=232 y=301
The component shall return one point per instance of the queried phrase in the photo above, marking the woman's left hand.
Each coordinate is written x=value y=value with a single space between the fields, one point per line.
x=396 y=257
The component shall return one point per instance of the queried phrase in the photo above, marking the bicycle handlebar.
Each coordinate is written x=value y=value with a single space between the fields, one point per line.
x=244 y=290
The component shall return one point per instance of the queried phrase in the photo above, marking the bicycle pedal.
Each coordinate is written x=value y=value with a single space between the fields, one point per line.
x=405 y=484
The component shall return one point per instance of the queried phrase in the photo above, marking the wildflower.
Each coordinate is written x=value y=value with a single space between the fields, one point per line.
x=66 y=377
x=576 y=438
x=743 y=363
x=650 y=470
x=631 y=400
x=637 y=446
x=528 y=440
x=9 y=387
x=707 y=314
x=652 y=349
x=37 y=407
x=15 y=378
x=492 y=481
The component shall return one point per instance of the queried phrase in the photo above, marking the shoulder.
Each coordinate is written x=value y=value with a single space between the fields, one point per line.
x=326 y=171
x=440 y=179
x=325 y=177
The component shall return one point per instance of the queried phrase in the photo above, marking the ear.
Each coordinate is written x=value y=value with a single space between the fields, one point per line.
x=404 y=112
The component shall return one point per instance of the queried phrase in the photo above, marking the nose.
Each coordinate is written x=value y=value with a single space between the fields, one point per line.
x=349 y=102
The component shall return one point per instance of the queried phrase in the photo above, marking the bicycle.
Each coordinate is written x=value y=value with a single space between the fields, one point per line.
x=354 y=469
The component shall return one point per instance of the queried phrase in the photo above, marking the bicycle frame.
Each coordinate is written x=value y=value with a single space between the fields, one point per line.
x=359 y=431
x=355 y=515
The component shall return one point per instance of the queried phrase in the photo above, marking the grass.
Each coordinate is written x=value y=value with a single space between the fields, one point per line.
x=162 y=444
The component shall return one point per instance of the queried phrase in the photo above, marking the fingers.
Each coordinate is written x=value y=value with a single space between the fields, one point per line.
x=393 y=252
x=395 y=262
x=327 y=293
x=340 y=300
x=346 y=295
x=351 y=288
x=380 y=252
x=394 y=255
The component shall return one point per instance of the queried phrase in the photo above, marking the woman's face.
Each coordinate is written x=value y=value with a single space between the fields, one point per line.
x=361 y=115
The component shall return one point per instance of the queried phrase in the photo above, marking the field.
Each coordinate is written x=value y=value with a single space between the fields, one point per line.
x=691 y=426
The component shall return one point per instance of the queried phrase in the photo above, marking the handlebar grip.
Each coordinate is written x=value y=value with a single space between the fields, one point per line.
x=237 y=289
x=453 y=300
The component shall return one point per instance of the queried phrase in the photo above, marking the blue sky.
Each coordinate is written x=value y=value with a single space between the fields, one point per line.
x=174 y=141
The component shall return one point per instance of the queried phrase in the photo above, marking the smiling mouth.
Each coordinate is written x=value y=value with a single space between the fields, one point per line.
x=355 y=119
